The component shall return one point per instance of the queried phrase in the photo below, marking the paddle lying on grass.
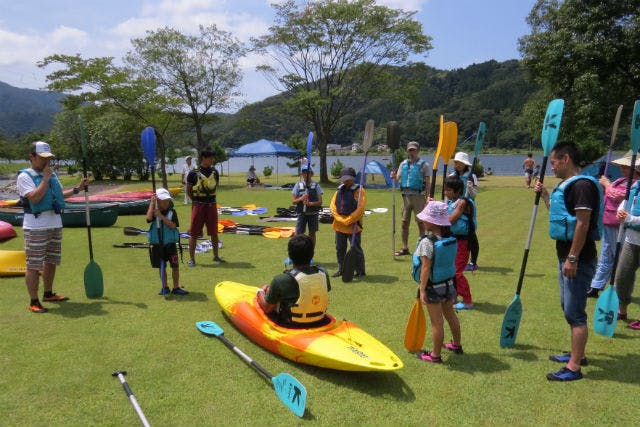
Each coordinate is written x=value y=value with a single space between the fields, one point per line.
x=349 y=262
x=141 y=245
x=120 y=375
x=393 y=142
x=513 y=314
x=604 y=168
x=606 y=312
x=448 y=147
x=148 y=140
x=288 y=389
x=134 y=231
x=93 y=281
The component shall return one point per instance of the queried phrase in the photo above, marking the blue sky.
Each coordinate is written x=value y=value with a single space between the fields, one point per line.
x=463 y=31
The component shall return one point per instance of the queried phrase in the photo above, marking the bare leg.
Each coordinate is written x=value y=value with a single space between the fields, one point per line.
x=579 y=335
x=32 y=278
x=192 y=248
x=405 y=234
x=48 y=274
x=452 y=319
x=437 y=327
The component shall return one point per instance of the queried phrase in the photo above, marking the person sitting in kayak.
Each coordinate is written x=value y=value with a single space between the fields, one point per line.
x=298 y=297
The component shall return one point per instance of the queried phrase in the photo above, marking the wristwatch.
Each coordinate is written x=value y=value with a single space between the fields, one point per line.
x=76 y=190
x=572 y=259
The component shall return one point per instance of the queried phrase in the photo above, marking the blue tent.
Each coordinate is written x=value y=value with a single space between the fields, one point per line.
x=376 y=168
x=265 y=148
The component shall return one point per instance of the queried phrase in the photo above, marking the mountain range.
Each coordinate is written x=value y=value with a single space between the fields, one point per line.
x=25 y=111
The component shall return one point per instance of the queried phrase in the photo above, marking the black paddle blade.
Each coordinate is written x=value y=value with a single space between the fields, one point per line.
x=348 y=266
x=393 y=135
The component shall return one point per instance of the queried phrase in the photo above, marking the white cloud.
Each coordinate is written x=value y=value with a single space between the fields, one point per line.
x=407 y=5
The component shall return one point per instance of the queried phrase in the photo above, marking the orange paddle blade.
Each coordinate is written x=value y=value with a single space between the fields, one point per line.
x=227 y=223
x=287 y=231
x=416 y=328
x=450 y=141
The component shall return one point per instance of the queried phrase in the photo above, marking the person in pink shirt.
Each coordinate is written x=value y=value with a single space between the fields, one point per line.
x=614 y=193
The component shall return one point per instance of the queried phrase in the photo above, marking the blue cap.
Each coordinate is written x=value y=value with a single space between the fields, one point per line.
x=306 y=167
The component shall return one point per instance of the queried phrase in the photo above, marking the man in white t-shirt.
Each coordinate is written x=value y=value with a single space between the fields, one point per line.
x=188 y=167
x=42 y=197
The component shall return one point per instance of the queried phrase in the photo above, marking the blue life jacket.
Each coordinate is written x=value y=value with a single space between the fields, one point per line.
x=562 y=224
x=346 y=201
x=635 y=204
x=313 y=197
x=466 y=223
x=443 y=267
x=412 y=175
x=169 y=235
x=53 y=199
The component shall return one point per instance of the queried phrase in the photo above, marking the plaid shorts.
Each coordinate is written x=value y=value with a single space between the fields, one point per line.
x=43 y=246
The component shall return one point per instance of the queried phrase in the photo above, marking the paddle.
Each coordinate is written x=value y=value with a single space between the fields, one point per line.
x=448 y=147
x=134 y=231
x=93 y=282
x=550 y=130
x=393 y=142
x=349 y=262
x=605 y=167
x=132 y=398
x=436 y=157
x=306 y=184
x=606 y=313
x=288 y=389
x=148 y=140
x=416 y=327
x=482 y=130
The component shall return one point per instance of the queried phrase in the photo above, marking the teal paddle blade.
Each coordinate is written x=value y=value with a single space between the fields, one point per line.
x=210 y=328
x=93 y=284
x=606 y=314
x=291 y=392
x=551 y=125
x=511 y=323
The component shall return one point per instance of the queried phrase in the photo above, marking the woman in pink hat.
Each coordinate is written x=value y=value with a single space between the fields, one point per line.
x=437 y=253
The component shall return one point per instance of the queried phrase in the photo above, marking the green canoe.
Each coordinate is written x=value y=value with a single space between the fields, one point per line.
x=73 y=216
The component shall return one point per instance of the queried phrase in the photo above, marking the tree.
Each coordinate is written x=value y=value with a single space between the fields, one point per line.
x=585 y=52
x=326 y=53
x=200 y=72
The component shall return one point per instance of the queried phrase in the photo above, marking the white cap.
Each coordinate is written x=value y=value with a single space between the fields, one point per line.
x=42 y=149
x=163 y=194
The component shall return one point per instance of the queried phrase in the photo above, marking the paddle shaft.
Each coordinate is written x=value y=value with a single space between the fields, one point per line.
x=244 y=356
x=120 y=375
x=614 y=131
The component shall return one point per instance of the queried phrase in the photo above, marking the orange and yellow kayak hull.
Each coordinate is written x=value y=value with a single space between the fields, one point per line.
x=339 y=345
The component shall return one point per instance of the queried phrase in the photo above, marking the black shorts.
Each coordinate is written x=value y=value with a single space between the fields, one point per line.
x=170 y=255
x=442 y=292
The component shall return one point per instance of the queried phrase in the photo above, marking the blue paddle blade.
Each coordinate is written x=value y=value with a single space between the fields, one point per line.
x=635 y=128
x=511 y=323
x=148 y=139
x=309 y=147
x=258 y=211
x=551 y=125
x=482 y=130
x=291 y=392
x=239 y=213
x=606 y=313
x=209 y=327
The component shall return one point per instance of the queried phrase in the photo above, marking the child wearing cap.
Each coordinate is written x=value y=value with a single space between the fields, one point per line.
x=163 y=237
x=307 y=196
x=437 y=288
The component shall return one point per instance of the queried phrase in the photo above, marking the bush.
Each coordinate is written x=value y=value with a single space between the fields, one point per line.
x=336 y=167
x=267 y=171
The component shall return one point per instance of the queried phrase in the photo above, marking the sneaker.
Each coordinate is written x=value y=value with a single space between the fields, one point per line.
x=564 y=374
x=471 y=267
x=593 y=293
x=337 y=274
x=462 y=306
x=359 y=274
x=635 y=325
x=428 y=357
x=179 y=291
x=164 y=291
x=457 y=349
x=37 y=308
x=564 y=358
x=191 y=263
x=218 y=259
x=54 y=298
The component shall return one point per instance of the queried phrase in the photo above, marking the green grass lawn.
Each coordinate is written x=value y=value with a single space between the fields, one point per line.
x=57 y=367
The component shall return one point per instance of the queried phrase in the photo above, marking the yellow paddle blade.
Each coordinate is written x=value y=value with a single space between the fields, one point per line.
x=271 y=234
x=440 y=140
x=220 y=228
x=416 y=328
x=450 y=141
x=250 y=207
x=287 y=231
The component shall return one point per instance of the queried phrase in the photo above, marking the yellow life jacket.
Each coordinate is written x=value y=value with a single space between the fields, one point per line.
x=206 y=186
x=313 y=301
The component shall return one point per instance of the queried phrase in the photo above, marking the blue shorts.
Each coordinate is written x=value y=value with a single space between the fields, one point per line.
x=303 y=220
x=573 y=292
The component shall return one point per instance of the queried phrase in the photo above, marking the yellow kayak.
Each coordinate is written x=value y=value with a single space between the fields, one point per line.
x=339 y=345
x=13 y=263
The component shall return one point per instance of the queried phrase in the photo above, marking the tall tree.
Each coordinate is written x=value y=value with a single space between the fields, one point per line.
x=200 y=72
x=326 y=53
x=585 y=51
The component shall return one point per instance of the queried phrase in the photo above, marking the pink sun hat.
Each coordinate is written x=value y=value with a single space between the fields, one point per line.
x=435 y=213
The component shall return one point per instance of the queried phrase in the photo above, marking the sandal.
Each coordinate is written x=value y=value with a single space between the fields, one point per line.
x=401 y=252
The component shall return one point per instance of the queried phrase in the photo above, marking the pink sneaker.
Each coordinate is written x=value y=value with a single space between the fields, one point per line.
x=457 y=349
x=635 y=325
x=427 y=357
